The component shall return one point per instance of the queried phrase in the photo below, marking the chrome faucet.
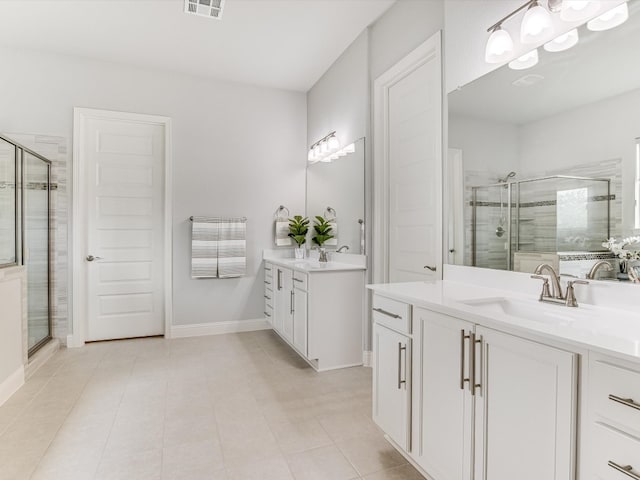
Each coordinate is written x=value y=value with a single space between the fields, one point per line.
x=597 y=266
x=556 y=296
x=556 y=288
x=343 y=248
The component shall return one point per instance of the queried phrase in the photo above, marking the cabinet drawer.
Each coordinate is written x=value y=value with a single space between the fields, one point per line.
x=268 y=271
x=392 y=313
x=615 y=394
x=300 y=280
x=613 y=451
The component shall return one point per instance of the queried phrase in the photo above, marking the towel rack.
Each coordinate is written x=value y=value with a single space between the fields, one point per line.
x=220 y=219
x=281 y=208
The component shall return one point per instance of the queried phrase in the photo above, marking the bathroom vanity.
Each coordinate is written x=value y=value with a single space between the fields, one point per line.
x=317 y=308
x=474 y=382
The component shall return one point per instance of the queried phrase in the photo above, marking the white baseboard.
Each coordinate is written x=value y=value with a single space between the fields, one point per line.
x=41 y=357
x=219 y=328
x=11 y=384
x=72 y=342
x=367 y=358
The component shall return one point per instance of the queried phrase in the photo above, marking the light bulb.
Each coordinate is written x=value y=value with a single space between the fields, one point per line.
x=527 y=60
x=334 y=144
x=499 y=46
x=562 y=42
x=578 y=10
x=611 y=19
x=536 y=24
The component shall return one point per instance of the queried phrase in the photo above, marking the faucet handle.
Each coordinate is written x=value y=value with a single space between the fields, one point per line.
x=545 y=286
x=571 y=294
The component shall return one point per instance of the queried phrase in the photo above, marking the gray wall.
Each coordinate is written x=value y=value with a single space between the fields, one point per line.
x=237 y=150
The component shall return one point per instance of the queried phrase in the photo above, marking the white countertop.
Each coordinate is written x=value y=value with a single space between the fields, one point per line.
x=312 y=265
x=605 y=330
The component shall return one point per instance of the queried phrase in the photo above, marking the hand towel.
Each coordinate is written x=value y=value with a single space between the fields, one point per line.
x=282 y=232
x=204 y=248
x=232 y=248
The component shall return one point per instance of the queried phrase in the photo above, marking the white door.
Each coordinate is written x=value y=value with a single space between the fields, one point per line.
x=408 y=105
x=391 y=384
x=124 y=164
x=525 y=411
x=442 y=404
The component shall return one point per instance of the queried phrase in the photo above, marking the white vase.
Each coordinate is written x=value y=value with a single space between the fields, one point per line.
x=299 y=253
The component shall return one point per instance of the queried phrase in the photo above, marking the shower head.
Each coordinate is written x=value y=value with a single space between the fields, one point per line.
x=509 y=175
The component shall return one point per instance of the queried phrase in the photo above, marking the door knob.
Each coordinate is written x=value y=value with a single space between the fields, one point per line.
x=428 y=267
x=91 y=258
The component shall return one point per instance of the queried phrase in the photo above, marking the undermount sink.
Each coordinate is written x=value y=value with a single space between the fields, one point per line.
x=529 y=310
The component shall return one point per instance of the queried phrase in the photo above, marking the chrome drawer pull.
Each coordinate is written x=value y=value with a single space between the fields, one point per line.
x=267 y=297
x=267 y=314
x=297 y=280
x=627 y=470
x=267 y=269
x=268 y=283
x=625 y=401
x=388 y=314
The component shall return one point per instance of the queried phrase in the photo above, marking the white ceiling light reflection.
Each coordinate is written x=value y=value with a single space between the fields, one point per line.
x=578 y=10
x=611 y=19
x=527 y=60
x=562 y=42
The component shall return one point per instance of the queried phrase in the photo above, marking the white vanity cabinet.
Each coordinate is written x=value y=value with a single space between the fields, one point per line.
x=319 y=312
x=484 y=405
x=614 y=430
x=392 y=372
x=268 y=293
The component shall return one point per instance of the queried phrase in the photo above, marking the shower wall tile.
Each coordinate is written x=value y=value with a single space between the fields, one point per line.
x=55 y=148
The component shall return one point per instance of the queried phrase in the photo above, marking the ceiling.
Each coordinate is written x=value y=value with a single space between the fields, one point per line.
x=285 y=44
x=602 y=65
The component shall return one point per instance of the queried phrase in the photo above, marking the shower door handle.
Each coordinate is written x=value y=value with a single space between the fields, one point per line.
x=91 y=258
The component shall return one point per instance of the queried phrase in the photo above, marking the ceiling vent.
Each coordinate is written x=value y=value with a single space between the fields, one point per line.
x=527 y=80
x=204 y=8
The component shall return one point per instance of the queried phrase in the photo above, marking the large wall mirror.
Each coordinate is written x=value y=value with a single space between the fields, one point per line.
x=543 y=163
x=335 y=190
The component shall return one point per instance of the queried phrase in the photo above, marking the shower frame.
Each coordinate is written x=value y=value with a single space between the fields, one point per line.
x=510 y=189
x=20 y=232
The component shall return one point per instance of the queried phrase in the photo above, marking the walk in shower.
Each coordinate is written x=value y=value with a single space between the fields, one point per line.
x=25 y=230
x=551 y=214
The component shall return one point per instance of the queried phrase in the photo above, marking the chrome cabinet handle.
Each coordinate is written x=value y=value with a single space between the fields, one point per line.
x=479 y=384
x=388 y=314
x=267 y=269
x=472 y=362
x=279 y=279
x=400 y=350
x=627 y=470
x=91 y=258
x=463 y=338
x=267 y=297
x=268 y=283
x=292 y=310
x=428 y=267
x=297 y=280
x=267 y=314
x=625 y=401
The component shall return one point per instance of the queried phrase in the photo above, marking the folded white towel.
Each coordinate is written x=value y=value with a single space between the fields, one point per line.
x=282 y=232
x=334 y=232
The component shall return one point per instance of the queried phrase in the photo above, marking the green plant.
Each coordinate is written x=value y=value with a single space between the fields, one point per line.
x=323 y=231
x=298 y=228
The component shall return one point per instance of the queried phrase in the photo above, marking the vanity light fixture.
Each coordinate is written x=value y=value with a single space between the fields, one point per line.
x=537 y=26
x=536 y=23
x=611 y=19
x=323 y=149
x=527 y=60
x=562 y=42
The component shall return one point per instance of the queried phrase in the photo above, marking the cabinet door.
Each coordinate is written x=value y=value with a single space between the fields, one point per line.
x=300 y=320
x=525 y=409
x=391 y=384
x=287 y=315
x=442 y=401
x=282 y=297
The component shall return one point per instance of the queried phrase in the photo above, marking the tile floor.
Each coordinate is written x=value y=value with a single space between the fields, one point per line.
x=228 y=407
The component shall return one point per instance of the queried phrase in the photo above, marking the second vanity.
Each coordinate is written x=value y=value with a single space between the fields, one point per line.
x=317 y=308
x=486 y=384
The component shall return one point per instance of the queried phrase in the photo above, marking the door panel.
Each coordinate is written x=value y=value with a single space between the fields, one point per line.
x=125 y=228
x=300 y=321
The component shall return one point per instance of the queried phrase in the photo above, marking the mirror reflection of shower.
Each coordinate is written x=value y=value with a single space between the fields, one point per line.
x=500 y=231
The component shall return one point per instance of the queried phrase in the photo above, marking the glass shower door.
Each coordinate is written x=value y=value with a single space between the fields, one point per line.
x=36 y=178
